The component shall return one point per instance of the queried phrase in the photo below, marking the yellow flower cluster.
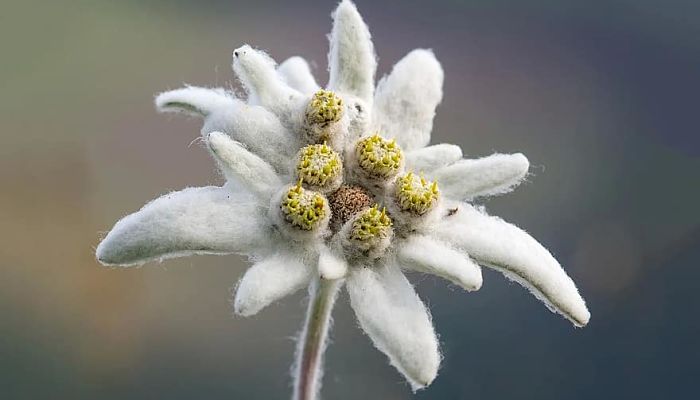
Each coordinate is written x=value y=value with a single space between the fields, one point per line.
x=325 y=107
x=318 y=165
x=379 y=157
x=303 y=208
x=415 y=194
x=371 y=224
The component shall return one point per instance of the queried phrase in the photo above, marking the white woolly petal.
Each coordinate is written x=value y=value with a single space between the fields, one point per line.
x=497 y=244
x=432 y=157
x=331 y=265
x=351 y=60
x=296 y=73
x=195 y=101
x=259 y=130
x=488 y=176
x=265 y=87
x=425 y=254
x=396 y=320
x=206 y=220
x=240 y=165
x=405 y=101
x=269 y=280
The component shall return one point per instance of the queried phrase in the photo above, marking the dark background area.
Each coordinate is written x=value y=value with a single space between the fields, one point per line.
x=602 y=96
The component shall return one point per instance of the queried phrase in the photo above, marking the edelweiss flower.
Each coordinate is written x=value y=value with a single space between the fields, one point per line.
x=336 y=185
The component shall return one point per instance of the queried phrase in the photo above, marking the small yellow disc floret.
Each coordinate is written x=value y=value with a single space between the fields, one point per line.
x=415 y=194
x=318 y=165
x=303 y=208
x=371 y=224
x=324 y=108
x=379 y=157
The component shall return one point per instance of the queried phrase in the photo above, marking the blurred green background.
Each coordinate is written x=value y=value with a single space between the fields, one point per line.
x=602 y=96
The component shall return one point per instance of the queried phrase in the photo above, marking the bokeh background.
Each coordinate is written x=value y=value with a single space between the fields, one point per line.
x=602 y=96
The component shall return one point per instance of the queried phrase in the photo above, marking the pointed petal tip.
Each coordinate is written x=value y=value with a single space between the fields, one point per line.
x=581 y=319
x=241 y=309
x=346 y=6
x=216 y=139
x=521 y=162
x=107 y=255
x=351 y=59
x=194 y=101
x=423 y=379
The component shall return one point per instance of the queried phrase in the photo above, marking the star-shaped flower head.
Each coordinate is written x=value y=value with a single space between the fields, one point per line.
x=340 y=184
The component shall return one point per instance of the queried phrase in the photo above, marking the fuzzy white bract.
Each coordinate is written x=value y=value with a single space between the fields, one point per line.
x=340 y=184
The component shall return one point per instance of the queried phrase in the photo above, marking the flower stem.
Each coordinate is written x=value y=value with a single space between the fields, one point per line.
x=312 y=344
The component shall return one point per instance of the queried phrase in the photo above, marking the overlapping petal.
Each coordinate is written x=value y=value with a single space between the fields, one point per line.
x=397 y=321
x=296 y=73
x=405 y=100
x=425 y=254
x=433 y=157
x=497 y=244
x=254 y=126
x=258 y=74
x=270 y=279
x=243 y=167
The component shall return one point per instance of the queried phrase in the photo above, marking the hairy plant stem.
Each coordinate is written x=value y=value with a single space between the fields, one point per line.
x=312 y=343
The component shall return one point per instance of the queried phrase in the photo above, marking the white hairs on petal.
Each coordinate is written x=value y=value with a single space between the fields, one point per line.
x=296 y=73
x=405 y=100
x=397 y=321
x=432 y=157
x=195 y=101
x=259 y=130
x=244 y=167
x=331 y=265
x=257 y=72
x=428 y=255
x=495 y=243
x=488 y=176
x=351 y=59
x=270 y=279
x=206 y=220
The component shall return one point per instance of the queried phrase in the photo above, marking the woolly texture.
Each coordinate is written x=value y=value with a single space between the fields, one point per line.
x=319 y=167
x=269 y=280
x=195 y=101
x=351 y=60
x=257 y=73
x=379 y=157
x=488 y=176
x=507 y=248
x=240 y=165
x=405 y=101
x=432 y=157
x=425 y=254
x=312 y=217
x=207 y=220
x=255 y=127
x=259 y=130
x=414 y=194
x=296 y=73
x=330 y=265
x=396 y=320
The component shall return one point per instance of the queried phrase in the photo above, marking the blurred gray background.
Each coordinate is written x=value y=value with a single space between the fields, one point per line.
x=602 y=96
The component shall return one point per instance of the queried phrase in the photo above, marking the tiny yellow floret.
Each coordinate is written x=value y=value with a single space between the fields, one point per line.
x=371 y=224
x=324 y=108
x=303 y=208
x=379 y=157
x=318 y=165
x=415 y=194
